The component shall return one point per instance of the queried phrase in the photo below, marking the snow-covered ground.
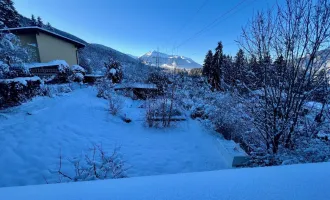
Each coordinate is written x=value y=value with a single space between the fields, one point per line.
x=33 y=135
x=294 y=182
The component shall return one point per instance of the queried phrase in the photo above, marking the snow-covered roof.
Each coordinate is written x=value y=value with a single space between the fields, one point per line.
x=22 y=80
x=48 y=64
x=94 y=75
x=36 y=28
x=293 y=182
x=136 y=85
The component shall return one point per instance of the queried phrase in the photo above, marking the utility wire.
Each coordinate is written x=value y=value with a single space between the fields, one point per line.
x=192 y=18
x=214 y=22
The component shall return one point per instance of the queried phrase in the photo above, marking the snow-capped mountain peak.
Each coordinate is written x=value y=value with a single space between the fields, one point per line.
x=169 y=61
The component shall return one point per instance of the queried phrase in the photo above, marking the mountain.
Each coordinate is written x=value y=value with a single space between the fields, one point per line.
x=135 y=57
x=97 y=54
x=169 y=61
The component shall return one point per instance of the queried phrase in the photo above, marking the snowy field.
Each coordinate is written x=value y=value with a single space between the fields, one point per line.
x=294 y=182
x=33 y=135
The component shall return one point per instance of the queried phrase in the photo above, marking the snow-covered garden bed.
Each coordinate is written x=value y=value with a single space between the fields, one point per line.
x=35 y=134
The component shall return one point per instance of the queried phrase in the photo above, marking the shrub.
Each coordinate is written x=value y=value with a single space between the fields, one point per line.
x=115 y=103
x=114 y=71
x=52 y=90
x=161 y=111
x=13 y=92
x=95 y=165
x=104 y=87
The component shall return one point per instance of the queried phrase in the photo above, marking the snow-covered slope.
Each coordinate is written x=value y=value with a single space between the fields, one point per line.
x=168 y=61
x=295 y=182
x=32 y=136
x=98 y=54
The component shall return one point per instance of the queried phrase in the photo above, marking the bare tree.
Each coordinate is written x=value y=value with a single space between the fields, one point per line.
x=297 y=32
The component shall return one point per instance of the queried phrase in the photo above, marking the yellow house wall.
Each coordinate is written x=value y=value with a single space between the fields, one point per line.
x=52 y=48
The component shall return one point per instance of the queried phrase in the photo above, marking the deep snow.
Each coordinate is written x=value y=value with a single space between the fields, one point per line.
x=33 y=134
x=294 y=182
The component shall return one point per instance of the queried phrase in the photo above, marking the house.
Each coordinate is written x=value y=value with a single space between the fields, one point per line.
x=47 y=45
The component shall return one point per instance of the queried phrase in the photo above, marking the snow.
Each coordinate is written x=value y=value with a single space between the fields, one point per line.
x=22 y=80
x=168 y=61
x=113 y=71
x=48 y=64
x=77 y=68
x=136 y=85
x=33 y=134
x=94 y=75
x=295 y=182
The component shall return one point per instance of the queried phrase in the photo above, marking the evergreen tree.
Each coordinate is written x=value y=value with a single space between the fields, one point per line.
x=254 y=73
x=207 y=64
x=39 y=22
x=216 y=71
x=239 y=66
x=8 y=14
x=33 y=21
x=228 y=70
x=49 y=27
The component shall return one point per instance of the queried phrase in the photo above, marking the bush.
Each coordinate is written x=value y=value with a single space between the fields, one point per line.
x=104 y=87
x=78 y=73
x=160 y=79
x=94 y=165
x=52 y=90
x=115 y=104
x=114 y=71
x=160 y=112
x=13 y=92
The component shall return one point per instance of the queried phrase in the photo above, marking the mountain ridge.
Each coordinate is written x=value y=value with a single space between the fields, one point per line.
x=169 y=61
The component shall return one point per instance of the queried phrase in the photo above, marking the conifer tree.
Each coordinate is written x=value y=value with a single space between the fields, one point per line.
x=239 y=66
x=207 y=64
x=33 y=21
x=216 y=72
x=8 y=14
x=39 y=22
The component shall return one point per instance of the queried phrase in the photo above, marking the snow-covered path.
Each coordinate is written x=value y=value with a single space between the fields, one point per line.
x=32 y=136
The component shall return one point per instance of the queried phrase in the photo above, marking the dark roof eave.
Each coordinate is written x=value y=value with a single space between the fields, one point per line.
x=38 y=29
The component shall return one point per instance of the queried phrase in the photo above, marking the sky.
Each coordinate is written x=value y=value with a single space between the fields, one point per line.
x=182 y=27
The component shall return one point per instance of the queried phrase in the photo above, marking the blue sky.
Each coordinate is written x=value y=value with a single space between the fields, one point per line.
x=138 y=26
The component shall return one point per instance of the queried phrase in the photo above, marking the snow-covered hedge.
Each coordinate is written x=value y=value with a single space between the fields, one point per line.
x=15 y=91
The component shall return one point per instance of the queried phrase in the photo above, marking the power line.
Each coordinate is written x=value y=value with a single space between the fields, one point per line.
x=187 y=22
x=193 y=17
x=212 y=23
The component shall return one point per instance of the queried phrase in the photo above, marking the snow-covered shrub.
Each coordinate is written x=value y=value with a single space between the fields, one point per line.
x=114 y=71
x=160 y=79
x=78 y=73
x=161 y=112
x=115 y=103
x=12 y=55
x=227 y=117
x=13 y=92
x=104 y=87
x=4 y=69
x=52 y=90
x=96 y=164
